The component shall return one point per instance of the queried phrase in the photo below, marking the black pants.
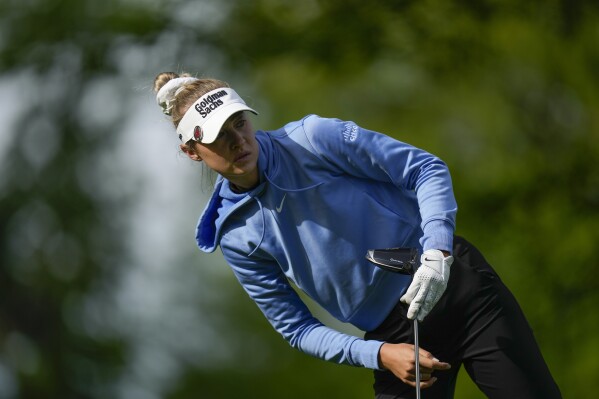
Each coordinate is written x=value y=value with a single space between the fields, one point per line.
x=476 y=323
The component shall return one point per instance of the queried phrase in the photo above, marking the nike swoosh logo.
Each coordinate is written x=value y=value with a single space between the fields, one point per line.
x=280 y=207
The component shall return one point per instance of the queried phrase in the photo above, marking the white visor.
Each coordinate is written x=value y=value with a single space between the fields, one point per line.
x=204 y=119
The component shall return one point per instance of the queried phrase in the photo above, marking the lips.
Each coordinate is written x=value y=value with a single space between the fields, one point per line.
x=242 y=156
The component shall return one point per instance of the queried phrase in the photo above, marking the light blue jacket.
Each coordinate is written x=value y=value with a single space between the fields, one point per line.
x=329 y=191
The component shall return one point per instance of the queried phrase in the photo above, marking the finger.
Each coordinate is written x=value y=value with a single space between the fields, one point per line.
x=420 y=294
x=427 y=384
x=408 y=297
x=424 y=354
x=429 y=364
x=426 y=360
x=409 y=380
x=411 y=292
x=429 y=299
x=413 y=310
x=439 y=365
x=416 y=305
x=426 y=370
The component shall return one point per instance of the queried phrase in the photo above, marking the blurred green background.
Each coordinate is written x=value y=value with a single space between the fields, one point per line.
x=102 y=291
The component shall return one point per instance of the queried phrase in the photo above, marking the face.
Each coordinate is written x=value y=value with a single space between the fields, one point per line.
x=234 y=153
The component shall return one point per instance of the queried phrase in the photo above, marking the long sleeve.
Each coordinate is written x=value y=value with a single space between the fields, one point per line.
x=266 y=284
x=368 y=154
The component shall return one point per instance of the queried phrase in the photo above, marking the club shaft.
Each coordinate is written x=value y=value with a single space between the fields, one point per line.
x=417 y=358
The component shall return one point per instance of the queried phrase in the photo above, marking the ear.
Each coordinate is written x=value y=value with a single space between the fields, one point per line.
x=190 y=152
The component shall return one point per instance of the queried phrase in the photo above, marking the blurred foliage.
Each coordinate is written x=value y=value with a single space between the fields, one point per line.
x=505 y=92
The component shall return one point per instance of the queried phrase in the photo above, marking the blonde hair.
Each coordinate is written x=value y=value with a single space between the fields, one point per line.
x=187 y=94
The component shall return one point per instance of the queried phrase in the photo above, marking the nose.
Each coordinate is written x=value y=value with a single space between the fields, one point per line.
x=236 y=138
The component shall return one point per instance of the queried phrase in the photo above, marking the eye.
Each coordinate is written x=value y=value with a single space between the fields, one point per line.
x=240 y=123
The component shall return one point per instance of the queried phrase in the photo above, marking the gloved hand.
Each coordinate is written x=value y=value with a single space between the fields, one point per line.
x=428 y=284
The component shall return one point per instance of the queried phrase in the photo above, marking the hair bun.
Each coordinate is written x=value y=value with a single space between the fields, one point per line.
x=162 y=78
x=167 y=84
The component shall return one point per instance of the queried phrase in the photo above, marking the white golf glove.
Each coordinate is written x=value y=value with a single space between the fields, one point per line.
x=428 y=284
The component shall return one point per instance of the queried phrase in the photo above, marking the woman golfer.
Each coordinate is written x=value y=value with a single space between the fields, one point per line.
x=304 y=203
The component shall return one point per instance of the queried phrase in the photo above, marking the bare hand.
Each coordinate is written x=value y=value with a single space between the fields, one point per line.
x=399 y=359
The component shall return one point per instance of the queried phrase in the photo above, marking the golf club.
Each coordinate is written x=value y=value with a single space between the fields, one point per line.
x=403 y=261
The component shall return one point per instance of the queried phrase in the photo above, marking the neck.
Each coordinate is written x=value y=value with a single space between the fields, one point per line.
x=244 y=185
x=237 y=189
